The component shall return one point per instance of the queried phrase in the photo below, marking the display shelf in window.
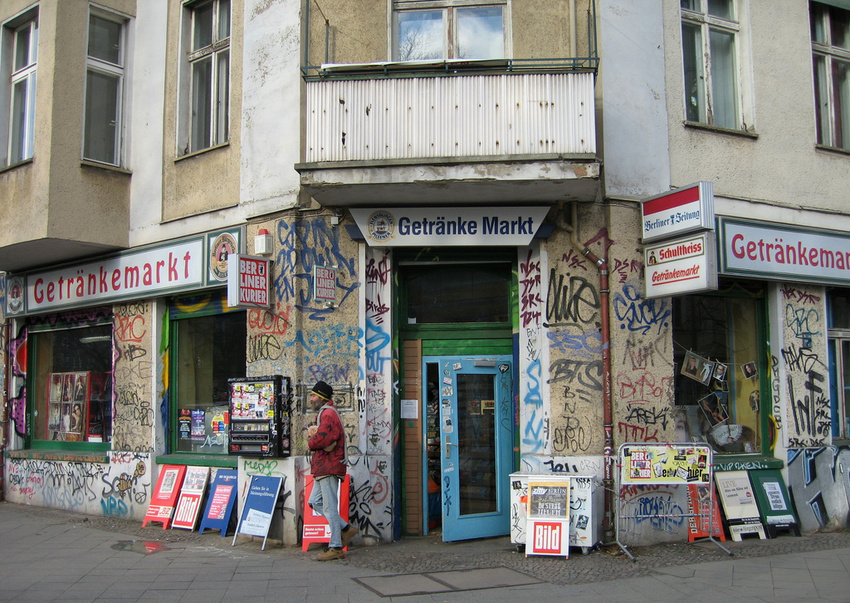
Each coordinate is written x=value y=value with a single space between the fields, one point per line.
x=78 y=406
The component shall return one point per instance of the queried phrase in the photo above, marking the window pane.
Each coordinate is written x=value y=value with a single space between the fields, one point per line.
x=458 y=294
x=725 y=9
x=101 y=117
x=480 y=33
x=724 y=94
x=105 y=40
x=22 y=47
x=822 y=101
x=819 y=13
x=420 y=35
x=23 y=100
x=73 y=384
x=222 y=97
x=841 y=95
x=694 y=82
x=690 y=5
x=210 y=350
x=840 y=21
x=845 y=386
x=201 y=104
x=203 y=24
x=224 y=19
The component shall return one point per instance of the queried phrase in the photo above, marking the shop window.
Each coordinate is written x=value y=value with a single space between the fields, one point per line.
x=448 y=29
x=719 y=371
x=208 y=346
x=70 y=377
x=839 y=361
x=831 y=56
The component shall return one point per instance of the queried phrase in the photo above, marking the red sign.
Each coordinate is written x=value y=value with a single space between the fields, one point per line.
x=189 y=505
x=316 y=528
x=165 y=495
x=677 y=212
x=248 y=281
x=548 y=538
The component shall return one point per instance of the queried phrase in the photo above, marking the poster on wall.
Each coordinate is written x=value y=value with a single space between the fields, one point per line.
x=548 y=517
x=191 y=495
x=665 y=463
x=165 y=495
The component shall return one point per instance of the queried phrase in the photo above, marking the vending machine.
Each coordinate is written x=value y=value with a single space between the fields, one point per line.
x=260 y=419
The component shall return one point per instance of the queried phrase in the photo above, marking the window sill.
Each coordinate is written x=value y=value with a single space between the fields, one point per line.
x=105 y=166
x=73 y=456
x=837 y=150
x=16 y=165
x=718 y=130
x=201 y=460
x=202 y=151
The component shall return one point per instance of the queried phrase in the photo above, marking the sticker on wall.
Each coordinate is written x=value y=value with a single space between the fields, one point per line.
x=447 y=380
x=447 y=425
x=457 y=366
x=504 y=368
x=448 y=390
x=447 y=407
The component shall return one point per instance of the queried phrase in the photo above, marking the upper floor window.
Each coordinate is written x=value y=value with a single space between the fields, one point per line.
x=207 y=35
x=710 y=31
x=448 y=29
x=24 y=46
x=104 y=89
x=831 y=50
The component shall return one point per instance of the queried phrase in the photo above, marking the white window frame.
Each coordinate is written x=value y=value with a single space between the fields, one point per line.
x=13 y=77
x=218 y=133
x=116 y=70
x=704 y=98
x=449 y=9
x=832 y=131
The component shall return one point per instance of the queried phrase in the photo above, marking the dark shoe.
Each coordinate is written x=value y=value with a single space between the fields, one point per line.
x=347 y=534
x=330 y=555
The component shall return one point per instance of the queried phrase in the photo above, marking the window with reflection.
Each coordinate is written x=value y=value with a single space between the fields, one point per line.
x=457 y=293
x=449 y=30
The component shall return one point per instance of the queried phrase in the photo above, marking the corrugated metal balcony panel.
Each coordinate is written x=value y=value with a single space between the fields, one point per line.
x=411 y=118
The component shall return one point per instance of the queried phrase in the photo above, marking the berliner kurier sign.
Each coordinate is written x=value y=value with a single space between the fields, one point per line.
x=458 y=226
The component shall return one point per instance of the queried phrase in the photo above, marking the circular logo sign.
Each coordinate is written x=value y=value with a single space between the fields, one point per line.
x=15 y=293
x=220 y=250
x=381 y=226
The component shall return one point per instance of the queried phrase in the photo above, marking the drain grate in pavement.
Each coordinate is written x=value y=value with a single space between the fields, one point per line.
x=445 y=582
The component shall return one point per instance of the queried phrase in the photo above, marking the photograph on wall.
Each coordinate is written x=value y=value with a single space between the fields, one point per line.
x=697 y=368
x=720 y=371
x=713 y=409
x=750 y=370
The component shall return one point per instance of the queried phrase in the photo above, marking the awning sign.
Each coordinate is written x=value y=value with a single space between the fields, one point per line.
x=248 y=281
x=681 y=266
x=457 y=226
x=677 y=212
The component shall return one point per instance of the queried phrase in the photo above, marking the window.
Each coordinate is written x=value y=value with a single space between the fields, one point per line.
x=71 y=383
x=839 y=361
x=448 y=30
x=721 y=377
x=208 y=346
x=208 y=53
x=24 y=46
x=709 y=50
x=104 y=86
x=831 y=50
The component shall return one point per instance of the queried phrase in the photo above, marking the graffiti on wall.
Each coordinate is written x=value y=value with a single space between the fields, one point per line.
x=133 y=412
x=16 y=349
x=819 y=486
x=808 y=420
x=534 y=399
x=118 y=488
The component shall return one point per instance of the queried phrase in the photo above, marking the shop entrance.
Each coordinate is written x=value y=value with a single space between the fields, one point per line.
x=470 y=434
x=457 y=317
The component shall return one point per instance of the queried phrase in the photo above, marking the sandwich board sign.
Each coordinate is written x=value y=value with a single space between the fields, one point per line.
x=165 y=496
x=259 y=507
x=739 y=504
x=316 y=528
x=220 y=501
x=191 y=495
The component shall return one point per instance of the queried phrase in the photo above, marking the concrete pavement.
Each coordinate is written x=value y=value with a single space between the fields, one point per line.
x=49 y=555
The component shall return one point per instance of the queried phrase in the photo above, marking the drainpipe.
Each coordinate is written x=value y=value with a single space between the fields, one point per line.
x=607 y=410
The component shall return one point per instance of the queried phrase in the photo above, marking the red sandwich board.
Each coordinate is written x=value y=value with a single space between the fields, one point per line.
x=316 y=527
x=165 y=495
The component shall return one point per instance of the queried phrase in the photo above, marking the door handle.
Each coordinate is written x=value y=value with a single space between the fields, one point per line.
x=447 y=449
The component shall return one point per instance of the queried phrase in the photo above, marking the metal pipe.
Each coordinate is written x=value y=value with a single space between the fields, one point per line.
x=607 y=405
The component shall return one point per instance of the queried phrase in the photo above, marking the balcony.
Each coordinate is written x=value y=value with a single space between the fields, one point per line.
x=493 y=131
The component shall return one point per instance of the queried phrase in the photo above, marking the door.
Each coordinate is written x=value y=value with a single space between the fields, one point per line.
x=476 y=444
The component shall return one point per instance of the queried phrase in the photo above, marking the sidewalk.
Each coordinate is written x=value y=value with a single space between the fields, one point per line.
x=50 y=555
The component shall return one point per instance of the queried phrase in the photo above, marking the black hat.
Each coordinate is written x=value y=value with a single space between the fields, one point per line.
x=323 y=390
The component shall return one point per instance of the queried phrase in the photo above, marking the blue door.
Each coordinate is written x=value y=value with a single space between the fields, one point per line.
x=476 y=444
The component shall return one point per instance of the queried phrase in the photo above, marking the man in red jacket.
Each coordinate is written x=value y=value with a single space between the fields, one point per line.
x=327 y=441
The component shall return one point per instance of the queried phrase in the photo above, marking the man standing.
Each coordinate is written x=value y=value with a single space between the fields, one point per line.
x=327 y=441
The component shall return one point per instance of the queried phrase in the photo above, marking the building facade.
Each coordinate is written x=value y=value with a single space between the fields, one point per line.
x=471 y=177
